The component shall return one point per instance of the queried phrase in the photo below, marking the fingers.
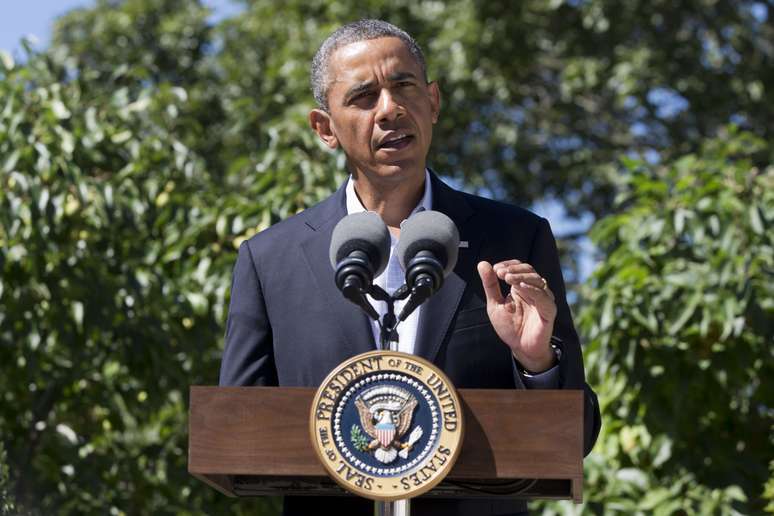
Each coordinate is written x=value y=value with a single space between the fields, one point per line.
x=512 y=267
x=529 y=289
x=533 y=294
x=541 y=299
x=491 y=283
x=515 y=272
x=533 y=279
x=515 y=307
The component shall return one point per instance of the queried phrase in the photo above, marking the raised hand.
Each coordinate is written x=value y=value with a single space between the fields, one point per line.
x=524 y=318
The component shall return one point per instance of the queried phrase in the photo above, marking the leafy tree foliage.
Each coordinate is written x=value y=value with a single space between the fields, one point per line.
x=146 y=143
x=113 y=292
x=680 y=320
x=768 y=493
x=541 y=98
x=7 y=506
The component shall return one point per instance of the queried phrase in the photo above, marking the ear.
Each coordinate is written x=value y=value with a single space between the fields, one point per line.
x=435 y=99
x=321 y=123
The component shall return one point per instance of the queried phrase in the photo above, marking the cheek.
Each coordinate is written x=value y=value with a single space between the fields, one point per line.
x=360 y=136
x=354 y=133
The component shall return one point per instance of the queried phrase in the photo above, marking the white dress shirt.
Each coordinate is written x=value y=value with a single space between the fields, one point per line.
x=393 y=276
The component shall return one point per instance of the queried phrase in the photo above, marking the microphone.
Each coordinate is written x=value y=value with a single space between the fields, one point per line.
x=427 y=251
x=360 y=249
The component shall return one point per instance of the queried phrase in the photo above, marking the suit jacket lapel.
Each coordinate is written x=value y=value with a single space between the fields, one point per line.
x=353 y=322
x=438 y=312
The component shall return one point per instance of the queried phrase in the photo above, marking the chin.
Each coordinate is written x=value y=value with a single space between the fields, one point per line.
x=399 y=171
x=394 y=171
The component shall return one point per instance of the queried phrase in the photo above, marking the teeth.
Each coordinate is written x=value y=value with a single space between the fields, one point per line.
x=392 y=140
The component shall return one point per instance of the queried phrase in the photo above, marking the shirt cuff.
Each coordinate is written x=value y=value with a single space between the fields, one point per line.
x=548 y=379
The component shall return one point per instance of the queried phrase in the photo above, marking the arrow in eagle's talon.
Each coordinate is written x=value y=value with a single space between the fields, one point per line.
x=413 y=438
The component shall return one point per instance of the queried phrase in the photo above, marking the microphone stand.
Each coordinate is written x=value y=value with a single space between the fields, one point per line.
x=387 y=336
x=389 y=322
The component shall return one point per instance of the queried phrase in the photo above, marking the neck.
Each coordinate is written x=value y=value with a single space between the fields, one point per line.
x=393 y=201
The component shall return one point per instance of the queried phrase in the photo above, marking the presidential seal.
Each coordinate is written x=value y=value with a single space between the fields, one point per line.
x=386 y=425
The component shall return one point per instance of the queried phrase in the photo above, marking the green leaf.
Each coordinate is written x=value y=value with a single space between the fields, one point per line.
x=755 y=220
x=59 y=109
x=633 y=476
x=7 y=60
x=686 y=314
x=11 y=160
x=77 y=308
x=664 y=452
x=735 y=493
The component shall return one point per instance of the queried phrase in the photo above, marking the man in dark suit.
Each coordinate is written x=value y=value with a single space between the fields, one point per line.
x=505 y=325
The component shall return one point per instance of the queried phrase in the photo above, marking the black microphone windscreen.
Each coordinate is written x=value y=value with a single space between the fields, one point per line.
x=364 y=231
x=429 y=231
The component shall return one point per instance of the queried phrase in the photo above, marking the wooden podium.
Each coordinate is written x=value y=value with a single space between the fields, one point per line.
x=254 y=441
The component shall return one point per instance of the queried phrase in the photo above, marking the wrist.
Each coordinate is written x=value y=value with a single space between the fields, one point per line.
x=540 y=364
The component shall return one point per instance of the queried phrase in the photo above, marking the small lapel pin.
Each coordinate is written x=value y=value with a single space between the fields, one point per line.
x=463 y=244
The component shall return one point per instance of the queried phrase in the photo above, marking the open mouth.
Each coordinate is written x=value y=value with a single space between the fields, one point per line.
x=396 y=143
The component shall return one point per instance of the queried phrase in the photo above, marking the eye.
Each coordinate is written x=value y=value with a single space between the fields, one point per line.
x=363 y=97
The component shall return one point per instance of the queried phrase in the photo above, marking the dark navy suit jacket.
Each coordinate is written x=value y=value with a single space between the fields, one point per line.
x=288 y=324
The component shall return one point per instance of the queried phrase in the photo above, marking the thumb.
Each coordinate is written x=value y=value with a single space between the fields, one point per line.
x=490 y=282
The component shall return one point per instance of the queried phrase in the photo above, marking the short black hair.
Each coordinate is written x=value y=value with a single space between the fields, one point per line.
x=361 y=30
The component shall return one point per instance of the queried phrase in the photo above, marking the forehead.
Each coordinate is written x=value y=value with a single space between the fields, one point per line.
x=370 y=60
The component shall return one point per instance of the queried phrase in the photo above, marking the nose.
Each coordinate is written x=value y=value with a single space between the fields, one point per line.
x=388 y=108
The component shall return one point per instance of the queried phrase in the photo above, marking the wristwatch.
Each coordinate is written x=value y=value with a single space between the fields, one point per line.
x=556 y=347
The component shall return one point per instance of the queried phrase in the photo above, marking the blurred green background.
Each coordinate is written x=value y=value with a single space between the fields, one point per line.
x=146 y=140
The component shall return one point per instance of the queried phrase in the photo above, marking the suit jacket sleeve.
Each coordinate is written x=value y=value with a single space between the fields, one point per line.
x=248 y=357
x=545 y=258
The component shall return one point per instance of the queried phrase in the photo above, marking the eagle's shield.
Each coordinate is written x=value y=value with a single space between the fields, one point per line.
x=385 y=433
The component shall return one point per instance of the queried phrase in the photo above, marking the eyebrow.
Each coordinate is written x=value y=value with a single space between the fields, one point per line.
x=368 y=85
x=399 y=76
x=357 y=89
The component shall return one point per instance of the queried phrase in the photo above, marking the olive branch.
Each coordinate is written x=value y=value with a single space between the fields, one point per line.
x=358 y=440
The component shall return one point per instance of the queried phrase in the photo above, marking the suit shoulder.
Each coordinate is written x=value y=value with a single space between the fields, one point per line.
x=502 y=210
x=290 y=231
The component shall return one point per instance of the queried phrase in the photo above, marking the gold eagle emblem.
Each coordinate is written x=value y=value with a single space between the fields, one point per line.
x=385 y=414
